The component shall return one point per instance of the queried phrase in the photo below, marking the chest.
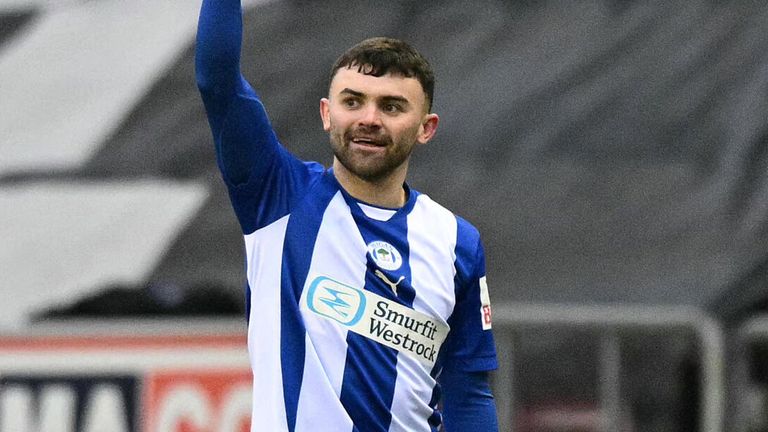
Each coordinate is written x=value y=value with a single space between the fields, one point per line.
x=404 y=258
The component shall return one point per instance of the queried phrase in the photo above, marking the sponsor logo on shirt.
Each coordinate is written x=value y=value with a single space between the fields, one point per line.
x=485 y=304
x=335 y=300
x=393 y=285
x=385 y=321
x=385 y=255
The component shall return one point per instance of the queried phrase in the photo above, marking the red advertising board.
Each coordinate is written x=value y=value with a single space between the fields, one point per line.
x=197 y=401
x=174 y=378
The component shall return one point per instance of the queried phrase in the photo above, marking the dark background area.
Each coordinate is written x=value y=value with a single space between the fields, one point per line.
x=608 y=151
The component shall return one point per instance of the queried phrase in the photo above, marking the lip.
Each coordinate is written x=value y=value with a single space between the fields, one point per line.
x=366 y=142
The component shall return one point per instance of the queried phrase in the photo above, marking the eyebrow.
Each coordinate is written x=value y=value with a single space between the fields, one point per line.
x=349 y=91
x=389 y=98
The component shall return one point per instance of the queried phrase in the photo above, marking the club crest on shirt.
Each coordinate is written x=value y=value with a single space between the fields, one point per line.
x=385 y=255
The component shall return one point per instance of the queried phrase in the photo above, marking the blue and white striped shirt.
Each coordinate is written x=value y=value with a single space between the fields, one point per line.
x=354 y=310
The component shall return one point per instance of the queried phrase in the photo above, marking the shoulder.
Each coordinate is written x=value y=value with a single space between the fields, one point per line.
x=458 y=234
x=467 y=235
x=426 y=204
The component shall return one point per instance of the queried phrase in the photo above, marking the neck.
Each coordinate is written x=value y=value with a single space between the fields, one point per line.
x=388 y=192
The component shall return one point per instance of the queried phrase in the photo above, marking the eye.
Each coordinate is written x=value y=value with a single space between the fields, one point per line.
x=351 y=102
x=392 y=108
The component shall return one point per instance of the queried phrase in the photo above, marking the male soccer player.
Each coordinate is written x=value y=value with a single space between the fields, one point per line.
x=368 y=305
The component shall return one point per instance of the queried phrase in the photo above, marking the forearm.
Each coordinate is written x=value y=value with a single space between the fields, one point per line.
x=468 y=404
x=218 y=45
x=243 y=137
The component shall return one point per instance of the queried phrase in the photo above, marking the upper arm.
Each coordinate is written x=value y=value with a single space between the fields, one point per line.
x=263 y=179
x=470 y=345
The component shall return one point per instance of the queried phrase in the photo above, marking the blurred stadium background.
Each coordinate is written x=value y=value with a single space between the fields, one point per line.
x=613 y=153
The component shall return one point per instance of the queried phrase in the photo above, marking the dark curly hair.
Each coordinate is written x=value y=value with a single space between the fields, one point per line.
x=381 y=55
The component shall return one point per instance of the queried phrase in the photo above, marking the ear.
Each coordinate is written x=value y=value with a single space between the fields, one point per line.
x=428 y=128
x=325 y=115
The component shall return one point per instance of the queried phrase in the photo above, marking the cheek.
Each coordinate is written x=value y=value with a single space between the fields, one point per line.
x=337 y=121
x=335 y=130
x=410 y=131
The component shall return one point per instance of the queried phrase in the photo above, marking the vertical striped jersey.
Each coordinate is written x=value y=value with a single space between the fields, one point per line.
x=353 y=310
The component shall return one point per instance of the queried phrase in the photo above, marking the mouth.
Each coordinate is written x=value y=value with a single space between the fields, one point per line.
x=368 y=141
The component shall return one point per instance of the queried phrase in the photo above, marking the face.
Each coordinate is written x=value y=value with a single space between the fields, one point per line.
x=375 y=122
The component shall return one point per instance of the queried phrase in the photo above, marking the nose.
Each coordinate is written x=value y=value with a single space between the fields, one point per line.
x=370 y=116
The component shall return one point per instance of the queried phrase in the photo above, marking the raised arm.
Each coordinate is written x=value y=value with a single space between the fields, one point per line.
x=263 y=178
x=245 y=142
x=217 y=53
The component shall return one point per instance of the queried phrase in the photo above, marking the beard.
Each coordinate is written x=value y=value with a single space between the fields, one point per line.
x=371 y=167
